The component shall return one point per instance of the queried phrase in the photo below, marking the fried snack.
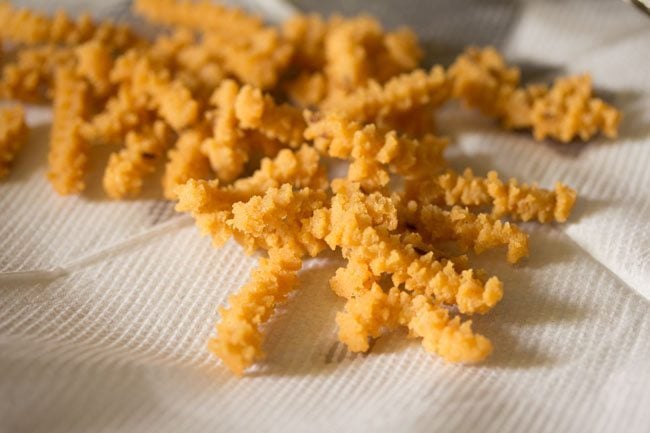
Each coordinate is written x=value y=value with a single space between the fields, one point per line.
x=27 y=27
x=171 y=98
x=399 y=94
x=217 y=84
x=255 y=110
x=374 y=312
x=348 y=49
x=94 y=62
x=519 y=201
x=13 y=135
x=341 y=138
x=210 y=203
x=124 y=112
x=68 y=148
x=279 y=219
x=185 y=162
x=358 y=50
x=361 y=224
x=481 y=79
x=258 y=60
x=307 y=35
x=567 y=110
x=239 y=338
x=307 y=89
x=227 y=150
x=127 y=168
x=203 y=15
x=478 y=231
x=30 y=77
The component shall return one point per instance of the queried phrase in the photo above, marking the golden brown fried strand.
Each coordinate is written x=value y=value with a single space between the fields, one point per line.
x=172 y=99
x=307 y=34
x=402 y=53
x=279 y=219
x=126 y=169
x=13 y=135
x=228 y=150
x=482 y=80
x=478 y=231
x=368 y=315
x=31 y=76
x=375 y=311
x=342 y=138
x=186 y=161
x=519 y=201
x=255 y=110
x=124 y=112
x=28 y=27
x=307 y=89
x=361 y=225
x=300 y=168
x=358 y=49
x=569 y=110
x=94 y=62
x=68 y=149
x=211 y=204
x=239 y=338
x=417 y=122
x=399 y=94
x=449 y=338
x=258 y=60
x=203 y=15
x=166 y=47
x=348 y=49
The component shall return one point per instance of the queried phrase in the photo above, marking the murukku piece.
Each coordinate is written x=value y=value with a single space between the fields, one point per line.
x=341 y=138
x=519 y=201
x=68 y=157
x=185 y=162
x=239 y=338
x=399 y=94
x=125 y=172
x=13 y=135
x=258 y=111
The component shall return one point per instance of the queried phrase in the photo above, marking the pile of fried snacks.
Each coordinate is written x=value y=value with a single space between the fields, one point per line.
x=247 y=118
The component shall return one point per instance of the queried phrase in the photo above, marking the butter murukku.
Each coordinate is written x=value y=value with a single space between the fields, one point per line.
x=185 y=162
x=563 y=112
x=68 y=156
x=13 y=135
x=399 y=94
x=125 y=172
x=249 y=164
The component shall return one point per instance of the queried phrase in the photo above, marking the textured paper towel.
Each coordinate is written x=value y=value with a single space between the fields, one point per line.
x=118 y=343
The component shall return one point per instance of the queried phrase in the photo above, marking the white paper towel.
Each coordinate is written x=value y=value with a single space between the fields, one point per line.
x=118 y=342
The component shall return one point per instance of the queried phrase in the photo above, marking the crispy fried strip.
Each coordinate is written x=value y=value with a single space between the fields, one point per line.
x=341 y=138
x=126 y=169
x=185 y=162
x=478 y=231
x=30 y=77
x=239 y=338
x=519 y=201
x=13 y=135
x=399 y=94
x=566 y=111
x=375 y=311
x=255 y=110
x=211 y=203
x=68 y=149
x=31 y=28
